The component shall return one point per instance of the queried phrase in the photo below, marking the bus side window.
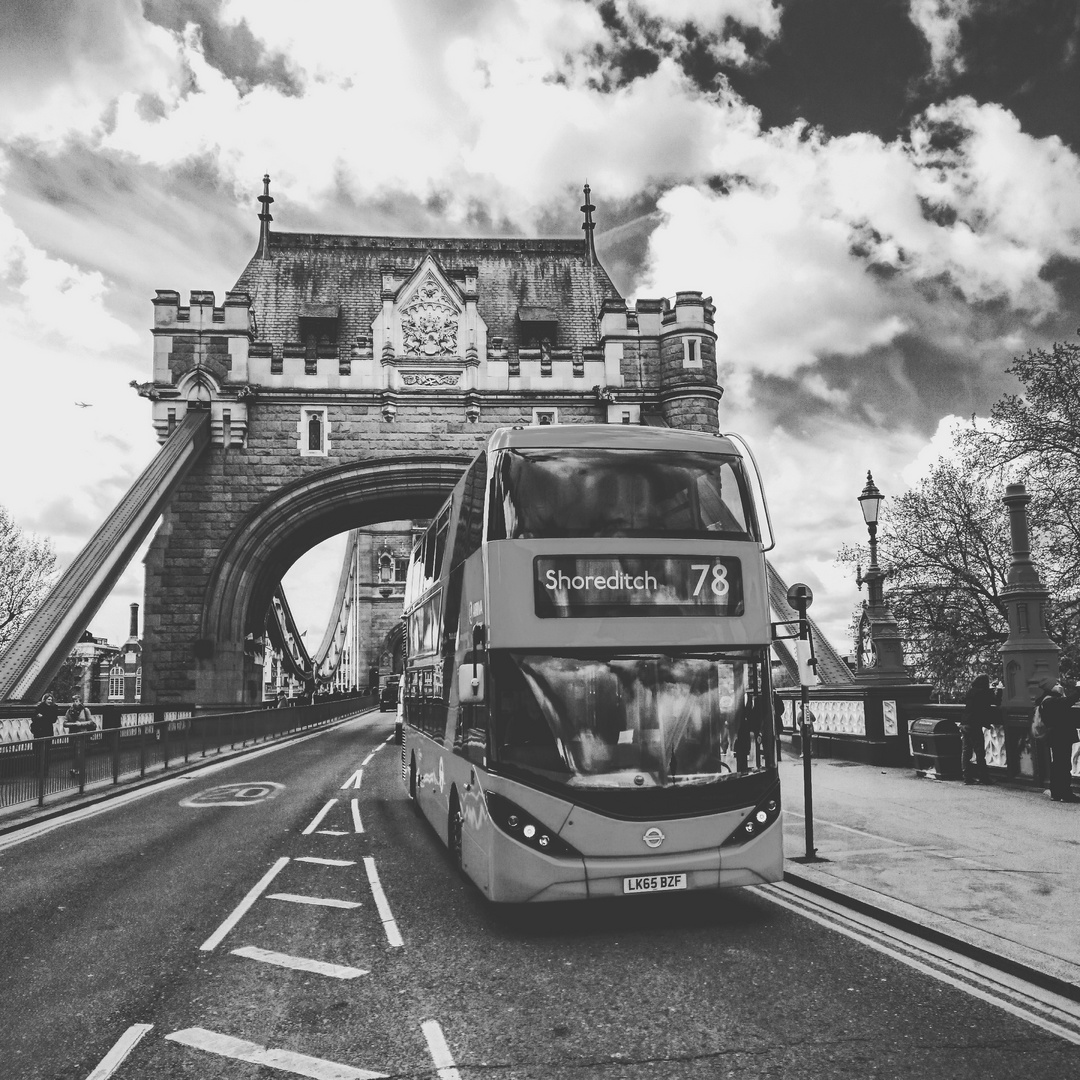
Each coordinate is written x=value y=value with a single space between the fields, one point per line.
x=470 y=523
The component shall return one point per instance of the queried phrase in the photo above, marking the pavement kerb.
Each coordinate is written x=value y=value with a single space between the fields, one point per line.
x=995 y=952
x=31 y=815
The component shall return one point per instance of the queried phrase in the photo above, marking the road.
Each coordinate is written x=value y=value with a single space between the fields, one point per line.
x=290 y=914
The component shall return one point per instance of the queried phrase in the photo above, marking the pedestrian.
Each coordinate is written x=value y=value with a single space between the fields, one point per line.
x=77 y=721
x=1055 y=708
x=42 y=729
x=978 y=715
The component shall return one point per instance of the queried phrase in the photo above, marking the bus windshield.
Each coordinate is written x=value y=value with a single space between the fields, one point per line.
x=584 y=492
x=630 y=721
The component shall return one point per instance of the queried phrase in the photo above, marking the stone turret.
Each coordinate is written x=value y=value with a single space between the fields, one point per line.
x=201 y=354
x=689 y=394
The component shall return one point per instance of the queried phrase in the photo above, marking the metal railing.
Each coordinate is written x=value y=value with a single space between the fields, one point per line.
x=34 y=770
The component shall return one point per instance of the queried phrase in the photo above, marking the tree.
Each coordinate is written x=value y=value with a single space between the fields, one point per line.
x=1034 y=437
x=27 y=572
x=945 y=548
x=946 y=544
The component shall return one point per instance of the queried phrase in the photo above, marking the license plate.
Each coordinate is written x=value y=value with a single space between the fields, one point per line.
x=654 y=883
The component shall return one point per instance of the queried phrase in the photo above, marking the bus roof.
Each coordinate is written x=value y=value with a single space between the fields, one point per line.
x=612 y=436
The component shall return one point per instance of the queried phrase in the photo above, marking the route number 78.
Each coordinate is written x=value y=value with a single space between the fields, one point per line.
x=718 y=573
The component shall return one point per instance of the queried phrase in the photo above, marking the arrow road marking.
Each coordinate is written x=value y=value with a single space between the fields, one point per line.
x=299 y=963
x=286 y=1060
x=215 y=939
x=318 y=817
x=354 y=780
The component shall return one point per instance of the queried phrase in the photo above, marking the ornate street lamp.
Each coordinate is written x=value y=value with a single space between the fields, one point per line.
x=880 y=655
x=870 y=500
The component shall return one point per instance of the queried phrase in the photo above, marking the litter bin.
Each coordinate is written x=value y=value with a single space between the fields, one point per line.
x=935 y=747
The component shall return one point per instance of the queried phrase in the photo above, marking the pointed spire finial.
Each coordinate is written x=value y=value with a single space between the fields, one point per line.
x=588 y=225
x=265 y=217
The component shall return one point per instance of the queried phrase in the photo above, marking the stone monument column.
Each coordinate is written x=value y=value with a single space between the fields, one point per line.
x=1028 y=656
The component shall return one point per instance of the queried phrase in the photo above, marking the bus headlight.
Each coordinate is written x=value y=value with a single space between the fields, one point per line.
x=523 y=827
x=763 y=815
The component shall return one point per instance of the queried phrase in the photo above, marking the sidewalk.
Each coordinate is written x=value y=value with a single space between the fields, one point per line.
x=995 y=866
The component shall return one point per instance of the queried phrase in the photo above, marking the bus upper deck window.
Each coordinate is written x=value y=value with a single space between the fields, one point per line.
x=587 y=492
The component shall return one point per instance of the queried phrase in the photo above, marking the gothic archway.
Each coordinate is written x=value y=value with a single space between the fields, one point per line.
x=283 y=527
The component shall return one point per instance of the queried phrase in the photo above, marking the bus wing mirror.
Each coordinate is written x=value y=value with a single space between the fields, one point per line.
x=471 y=684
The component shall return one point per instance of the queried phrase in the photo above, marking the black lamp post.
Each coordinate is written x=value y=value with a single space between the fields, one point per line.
x=870 y=500
x=880 y=651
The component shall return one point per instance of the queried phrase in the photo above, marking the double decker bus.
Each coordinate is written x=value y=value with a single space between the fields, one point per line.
x=587 y=697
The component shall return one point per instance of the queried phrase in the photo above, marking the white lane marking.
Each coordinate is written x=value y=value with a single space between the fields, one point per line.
x=393 y=935
x=117 y=1055
x=318 y=817
x=286 y=1060
x=440 y=1052
x=1018 y=999
x=332 y=832
x=324 y=862
x=299 y=963
x=115 y=802
x=354 y=780
x=214 y=940
x=358 y=825
x=318 y=901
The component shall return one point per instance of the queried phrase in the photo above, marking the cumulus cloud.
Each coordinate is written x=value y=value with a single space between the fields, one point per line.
x=939 y=23
x=66 y=62
x=849 y=243
x=49 y=297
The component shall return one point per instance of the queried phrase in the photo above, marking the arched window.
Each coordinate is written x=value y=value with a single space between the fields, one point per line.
x=313 y=428
x=116 y=681
x=138 y=684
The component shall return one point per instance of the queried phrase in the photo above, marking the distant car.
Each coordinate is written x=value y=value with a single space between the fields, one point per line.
x=388 y=695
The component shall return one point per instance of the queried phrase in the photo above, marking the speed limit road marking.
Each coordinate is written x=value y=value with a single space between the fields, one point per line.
x=255 y=791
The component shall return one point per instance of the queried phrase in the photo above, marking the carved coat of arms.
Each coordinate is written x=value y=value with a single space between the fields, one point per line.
x=429 y=322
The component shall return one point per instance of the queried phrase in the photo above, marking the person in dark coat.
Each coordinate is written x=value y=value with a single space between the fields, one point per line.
x=978 y=715
x=1055 y=707
x=42 y=729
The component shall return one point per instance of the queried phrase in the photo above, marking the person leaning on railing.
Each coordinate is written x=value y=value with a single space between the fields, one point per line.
x=42 y=729
x=77 y=720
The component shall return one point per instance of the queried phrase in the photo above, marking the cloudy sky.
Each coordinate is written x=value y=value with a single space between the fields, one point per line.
x=881 y=196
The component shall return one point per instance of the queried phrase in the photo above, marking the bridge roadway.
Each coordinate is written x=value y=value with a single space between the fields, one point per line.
x=288 y=913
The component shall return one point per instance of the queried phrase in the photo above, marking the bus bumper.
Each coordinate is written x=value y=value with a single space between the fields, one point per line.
x=606 y=876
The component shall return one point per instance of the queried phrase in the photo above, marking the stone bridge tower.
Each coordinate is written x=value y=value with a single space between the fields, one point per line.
x=348 y=380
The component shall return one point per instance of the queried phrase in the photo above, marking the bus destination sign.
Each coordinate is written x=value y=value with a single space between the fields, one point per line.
x=593 y=587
